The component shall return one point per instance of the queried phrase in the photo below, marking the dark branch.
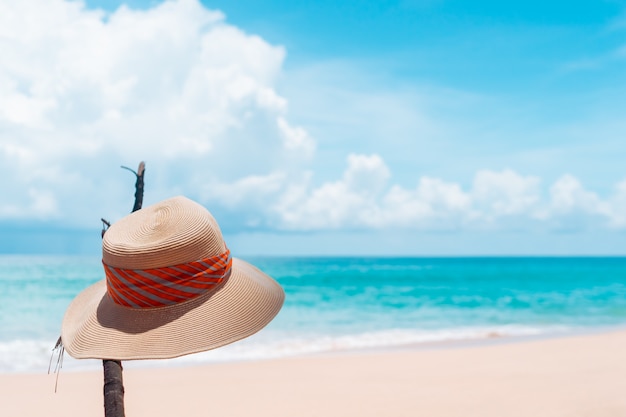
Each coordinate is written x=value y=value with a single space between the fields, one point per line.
x=113 y=381
x=138 y=185
x=113 y=388
x=105 y=226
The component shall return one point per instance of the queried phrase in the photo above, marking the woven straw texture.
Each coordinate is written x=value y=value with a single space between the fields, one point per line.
x=169 y=233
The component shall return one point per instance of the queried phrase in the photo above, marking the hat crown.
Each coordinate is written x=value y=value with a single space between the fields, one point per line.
x=172 y=232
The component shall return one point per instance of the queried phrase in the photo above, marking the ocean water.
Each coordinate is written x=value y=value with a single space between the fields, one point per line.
x=337 y=304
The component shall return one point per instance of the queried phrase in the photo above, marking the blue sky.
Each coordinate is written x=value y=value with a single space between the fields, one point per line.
x=395 y=127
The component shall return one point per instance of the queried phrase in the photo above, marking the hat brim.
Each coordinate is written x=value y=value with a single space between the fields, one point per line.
x=94 y=327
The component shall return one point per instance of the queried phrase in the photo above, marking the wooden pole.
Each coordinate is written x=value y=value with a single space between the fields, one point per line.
x=113 y=388
x=113 y=381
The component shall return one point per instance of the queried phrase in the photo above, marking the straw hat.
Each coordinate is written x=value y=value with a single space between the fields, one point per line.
x=171 y=289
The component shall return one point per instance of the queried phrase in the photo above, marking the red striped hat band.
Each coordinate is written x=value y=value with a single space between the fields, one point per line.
x=159 y=287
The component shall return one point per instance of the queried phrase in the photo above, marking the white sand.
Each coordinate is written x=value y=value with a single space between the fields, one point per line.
x=574 y=376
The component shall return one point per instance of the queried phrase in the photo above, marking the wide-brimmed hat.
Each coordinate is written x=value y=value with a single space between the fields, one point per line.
x=171 y=289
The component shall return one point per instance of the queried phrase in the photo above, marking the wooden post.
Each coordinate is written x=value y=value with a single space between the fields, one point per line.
x=138 y=185
x=113 y=388
x=113 y=381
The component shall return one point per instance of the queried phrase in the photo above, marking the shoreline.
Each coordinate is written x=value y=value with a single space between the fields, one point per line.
x=573 y=375
x=72 y=365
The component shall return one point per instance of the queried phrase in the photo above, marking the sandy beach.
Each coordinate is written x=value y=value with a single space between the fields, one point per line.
x=570 y=376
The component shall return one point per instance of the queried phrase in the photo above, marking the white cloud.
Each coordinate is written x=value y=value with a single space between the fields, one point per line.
x=296 y=138
x=434 y=204
x=366 y=174
x=567 y=195
x=571 y=206
x=364 y=199
x=505 y=193
x=348 y=202
x=83 y=91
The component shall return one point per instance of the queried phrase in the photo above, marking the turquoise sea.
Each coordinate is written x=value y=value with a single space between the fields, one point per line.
x=336 y=304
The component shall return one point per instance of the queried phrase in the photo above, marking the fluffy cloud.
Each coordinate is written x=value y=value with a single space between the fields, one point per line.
x=572 y=207
x=82 y=91
x=363 y=198
x=348 y=202
x=567 y=195
x=506 y=193
x=433 y=204
x=295 y=138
